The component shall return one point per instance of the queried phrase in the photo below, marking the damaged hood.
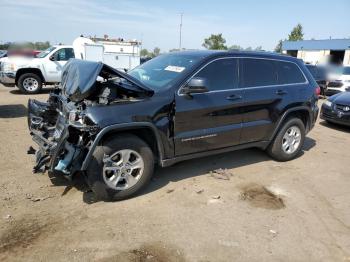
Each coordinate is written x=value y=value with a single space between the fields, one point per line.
x=79 y=79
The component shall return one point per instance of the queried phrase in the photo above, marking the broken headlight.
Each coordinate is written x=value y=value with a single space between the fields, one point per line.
x=75 y=117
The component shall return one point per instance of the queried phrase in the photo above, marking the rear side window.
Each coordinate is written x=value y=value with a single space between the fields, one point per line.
x=289 y=73
x=221 y=74
x=258 y=72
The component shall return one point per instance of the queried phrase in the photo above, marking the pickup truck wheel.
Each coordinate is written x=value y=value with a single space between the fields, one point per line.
x=289 y=140
x=30 y=83
x=120 y=167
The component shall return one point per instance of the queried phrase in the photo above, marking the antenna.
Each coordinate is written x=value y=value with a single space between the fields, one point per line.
x=180 y=41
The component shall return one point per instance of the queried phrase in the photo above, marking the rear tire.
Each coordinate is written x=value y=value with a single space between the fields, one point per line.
x=286 y=146
x=101 y=178
x=30 y=83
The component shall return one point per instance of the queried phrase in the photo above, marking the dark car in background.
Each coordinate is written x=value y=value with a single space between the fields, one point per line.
x=175 y=107
x=320 y=75
x=337 y=109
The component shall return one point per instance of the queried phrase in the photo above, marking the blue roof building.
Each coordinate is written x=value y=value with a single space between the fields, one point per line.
x=319 y=51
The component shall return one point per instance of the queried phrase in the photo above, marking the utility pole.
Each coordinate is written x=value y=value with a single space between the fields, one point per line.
x=181 y=14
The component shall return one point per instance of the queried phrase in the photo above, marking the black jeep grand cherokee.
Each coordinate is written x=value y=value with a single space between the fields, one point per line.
x=114 y=127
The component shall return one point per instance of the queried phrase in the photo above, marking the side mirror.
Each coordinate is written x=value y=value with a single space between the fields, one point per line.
x=52 y=58
x=195 y=86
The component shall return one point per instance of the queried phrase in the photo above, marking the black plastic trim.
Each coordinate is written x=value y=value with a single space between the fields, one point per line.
x=123 y=127
x=168 y=162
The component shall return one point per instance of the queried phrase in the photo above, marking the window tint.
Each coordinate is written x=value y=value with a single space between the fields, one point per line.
x=258 y=72
x=289 y=73
x=64 y=54
x=220 y=74
x=69 y=53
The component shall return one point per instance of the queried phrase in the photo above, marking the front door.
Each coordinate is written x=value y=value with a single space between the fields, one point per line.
x=54 y=65
x=210 y=120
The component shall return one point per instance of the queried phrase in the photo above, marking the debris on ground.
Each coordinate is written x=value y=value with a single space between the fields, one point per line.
x=223 y=174
x=200 y=191
x=36 y=199
x=213 y=201
x=7 y=217
x=273 y=231
x=170 y=191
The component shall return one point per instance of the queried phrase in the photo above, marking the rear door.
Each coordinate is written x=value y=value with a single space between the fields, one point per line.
x=260 y=84
x=270 y=86
x=210 y=120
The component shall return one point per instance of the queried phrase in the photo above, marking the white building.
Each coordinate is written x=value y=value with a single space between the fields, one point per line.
x=319 y=51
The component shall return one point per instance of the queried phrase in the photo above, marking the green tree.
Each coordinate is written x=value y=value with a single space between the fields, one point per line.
x=144 y=52
x=215 y=42
x=236 y=47
x=156 y=51
x=297 y=33
x=41 y=45
x=278 y=48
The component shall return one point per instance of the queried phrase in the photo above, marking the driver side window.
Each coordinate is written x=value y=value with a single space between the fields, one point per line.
x=64 y=54
x=221 y=74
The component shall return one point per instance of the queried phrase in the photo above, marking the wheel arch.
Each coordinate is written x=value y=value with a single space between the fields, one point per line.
x=22 y=71
x=302 y=112
x=145 y=131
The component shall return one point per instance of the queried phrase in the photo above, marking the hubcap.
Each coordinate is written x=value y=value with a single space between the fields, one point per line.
x=291 y=140
x=30 y=84
x=123 y=169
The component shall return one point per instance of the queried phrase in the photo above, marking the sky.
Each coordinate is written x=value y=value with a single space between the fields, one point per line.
x=156 y=22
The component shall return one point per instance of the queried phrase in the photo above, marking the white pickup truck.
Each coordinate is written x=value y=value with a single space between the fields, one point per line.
x=29 y=74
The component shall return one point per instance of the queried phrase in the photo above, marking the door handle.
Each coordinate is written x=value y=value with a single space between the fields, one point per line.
x=234 y=97
x=281 y=92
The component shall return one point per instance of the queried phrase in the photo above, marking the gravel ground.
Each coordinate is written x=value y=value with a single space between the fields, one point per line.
x=239 y=206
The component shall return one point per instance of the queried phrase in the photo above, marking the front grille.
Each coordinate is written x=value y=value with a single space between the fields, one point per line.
x=335 y=84
x=344 y=108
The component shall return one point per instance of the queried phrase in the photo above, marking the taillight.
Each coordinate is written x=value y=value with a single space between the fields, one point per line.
x=317 y=91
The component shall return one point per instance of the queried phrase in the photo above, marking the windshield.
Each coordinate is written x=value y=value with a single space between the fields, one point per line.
x=46 y=52
x=160 y=71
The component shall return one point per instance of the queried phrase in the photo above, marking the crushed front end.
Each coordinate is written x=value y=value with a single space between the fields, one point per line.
x=61 y=127
x=58 y=127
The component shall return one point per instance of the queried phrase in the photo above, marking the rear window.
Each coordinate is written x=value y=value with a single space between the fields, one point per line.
x=258 y=72
x=289 y=73
x=317 y=72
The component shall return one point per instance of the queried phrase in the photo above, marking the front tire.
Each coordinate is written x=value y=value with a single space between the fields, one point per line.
x=289 y=141
x=120 y=167
x=30 y=83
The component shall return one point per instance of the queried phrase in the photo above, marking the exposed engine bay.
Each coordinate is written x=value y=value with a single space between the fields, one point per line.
x=61 y=127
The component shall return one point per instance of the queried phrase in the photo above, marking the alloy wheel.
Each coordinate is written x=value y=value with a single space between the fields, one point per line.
x=123 y=169
x=291 y=140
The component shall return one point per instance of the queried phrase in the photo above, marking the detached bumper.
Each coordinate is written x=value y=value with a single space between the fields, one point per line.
x=49 y=140
x=334 y=115
x=7 y=78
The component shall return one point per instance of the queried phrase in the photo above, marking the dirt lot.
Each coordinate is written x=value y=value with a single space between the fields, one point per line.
x=239 y=206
